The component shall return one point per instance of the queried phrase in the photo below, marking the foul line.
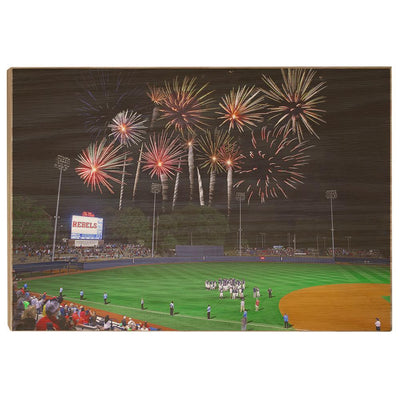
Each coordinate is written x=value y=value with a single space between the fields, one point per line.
x=180 y=315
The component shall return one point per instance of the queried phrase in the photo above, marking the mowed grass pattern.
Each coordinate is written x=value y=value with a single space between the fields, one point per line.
x=184 y=284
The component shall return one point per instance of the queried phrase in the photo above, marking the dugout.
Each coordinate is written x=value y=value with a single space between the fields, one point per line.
x=198 y=251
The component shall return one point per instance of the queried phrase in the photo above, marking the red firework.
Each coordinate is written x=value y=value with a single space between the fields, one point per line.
x=128 y=127
x=162 y=155
x=98 y=162
x=273 y=165
x=185 y=106
x=231 y=156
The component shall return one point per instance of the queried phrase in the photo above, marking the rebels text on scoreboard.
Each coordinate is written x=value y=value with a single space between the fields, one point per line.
x=86 y=227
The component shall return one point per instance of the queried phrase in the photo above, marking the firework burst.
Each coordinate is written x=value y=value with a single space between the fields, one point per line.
x=294 y=107
x=242 y=108
x=155 y=94
x=210 y=144
x=273 y=165
x=162 y=155
x=102 y=96
x=98 y=162
x=185 y=106
x=231 y=156
x=128 y=128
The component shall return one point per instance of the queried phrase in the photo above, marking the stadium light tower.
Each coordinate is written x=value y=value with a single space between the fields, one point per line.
x=332 y=195
x=324 y=239
x=348 y=242
x=262 y=234
x=62 y=163
x=155 y=188
x=240 y=196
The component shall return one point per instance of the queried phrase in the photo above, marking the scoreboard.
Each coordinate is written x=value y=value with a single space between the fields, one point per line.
x=83 y=227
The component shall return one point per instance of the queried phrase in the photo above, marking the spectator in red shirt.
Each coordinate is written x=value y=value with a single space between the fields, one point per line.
x=75 y=317
x=52 y=307
x=84 y=317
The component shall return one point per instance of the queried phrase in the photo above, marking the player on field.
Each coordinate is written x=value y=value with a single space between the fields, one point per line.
x=286 y=320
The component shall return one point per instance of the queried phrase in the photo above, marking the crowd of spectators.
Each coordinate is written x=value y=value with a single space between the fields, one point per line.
x=373 y=253
x=291 y=252
x=28 y=253
x=41 y=312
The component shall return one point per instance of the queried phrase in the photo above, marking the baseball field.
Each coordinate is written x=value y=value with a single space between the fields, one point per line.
x=316 y=297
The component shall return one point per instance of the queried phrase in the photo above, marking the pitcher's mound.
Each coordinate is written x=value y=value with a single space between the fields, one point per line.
x=345 y=307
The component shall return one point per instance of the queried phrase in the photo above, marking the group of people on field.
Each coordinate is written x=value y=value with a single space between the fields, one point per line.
x=235 y=287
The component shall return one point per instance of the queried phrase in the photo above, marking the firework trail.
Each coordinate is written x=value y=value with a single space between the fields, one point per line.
x=127 y=128
x=201 y=191
x=156 y=95
x=209 y=145
x=232 y=158
x=190 y=159
x=176 y=185
x=102 y=96
x=137 y=172
x=162 y=158
x=98 y=163
x=185 y=106
x=294 y=107
x=273 y=165
x=241 y=108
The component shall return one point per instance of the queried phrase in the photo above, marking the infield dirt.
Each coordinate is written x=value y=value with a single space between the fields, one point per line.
x=344 y=307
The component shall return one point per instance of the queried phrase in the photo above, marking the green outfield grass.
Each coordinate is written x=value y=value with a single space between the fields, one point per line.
x=184 y=284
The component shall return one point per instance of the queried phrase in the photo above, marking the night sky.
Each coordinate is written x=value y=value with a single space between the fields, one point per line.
x=352 y=155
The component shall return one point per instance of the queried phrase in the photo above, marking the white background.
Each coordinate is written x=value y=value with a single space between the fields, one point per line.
x=205 y=33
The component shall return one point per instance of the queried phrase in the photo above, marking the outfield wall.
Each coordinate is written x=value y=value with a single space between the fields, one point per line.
x=353 y=260
x=46 y=266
